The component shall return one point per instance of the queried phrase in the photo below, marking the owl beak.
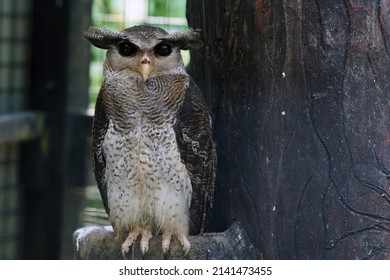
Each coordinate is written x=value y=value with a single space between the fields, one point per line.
x=145 y=67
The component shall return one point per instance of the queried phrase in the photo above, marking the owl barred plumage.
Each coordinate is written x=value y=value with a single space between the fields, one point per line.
x=153 y=154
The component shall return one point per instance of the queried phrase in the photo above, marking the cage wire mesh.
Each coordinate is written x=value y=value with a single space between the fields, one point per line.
x=15 y=18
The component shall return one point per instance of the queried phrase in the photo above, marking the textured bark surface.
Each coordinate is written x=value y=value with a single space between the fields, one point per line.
x=99 y=243
x=300 y=94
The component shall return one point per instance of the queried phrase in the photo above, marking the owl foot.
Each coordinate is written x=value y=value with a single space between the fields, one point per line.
x=166 y=242
x=184 y=242
x=146 y=235
x=129 y=241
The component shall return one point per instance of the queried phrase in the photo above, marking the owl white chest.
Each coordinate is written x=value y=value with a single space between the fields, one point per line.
x=147 y=183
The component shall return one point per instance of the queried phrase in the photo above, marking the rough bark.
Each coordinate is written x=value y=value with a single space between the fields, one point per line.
x=300 y=94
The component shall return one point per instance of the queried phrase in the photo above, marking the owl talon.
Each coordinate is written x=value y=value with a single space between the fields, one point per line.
x=186 y=249
x=185 y=243
x=166 y=242
x=146 y=236
x=129 y=241
x=126 y=248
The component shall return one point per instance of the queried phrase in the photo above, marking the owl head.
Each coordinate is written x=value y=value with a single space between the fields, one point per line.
x=145 y=50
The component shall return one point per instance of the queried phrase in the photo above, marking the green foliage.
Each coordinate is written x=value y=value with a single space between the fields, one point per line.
x=102 y=6
x=167 y=8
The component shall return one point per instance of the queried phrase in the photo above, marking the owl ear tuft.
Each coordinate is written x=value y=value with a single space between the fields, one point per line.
x=187 y=40
x=102 y=37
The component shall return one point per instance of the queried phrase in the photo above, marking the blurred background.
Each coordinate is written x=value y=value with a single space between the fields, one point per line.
x=49 y=80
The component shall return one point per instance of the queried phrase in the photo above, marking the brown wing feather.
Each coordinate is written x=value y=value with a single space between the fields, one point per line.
x=194 y=137
x=99 y=129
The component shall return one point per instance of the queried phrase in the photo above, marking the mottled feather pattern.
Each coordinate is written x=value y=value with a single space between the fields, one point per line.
x=99 y=128
x=138 y=111
x=182 y=39
x=194 y=137
x=153 y=99
x=102 y=33
x=102 y=37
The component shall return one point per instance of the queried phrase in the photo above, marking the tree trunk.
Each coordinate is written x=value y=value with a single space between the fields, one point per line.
x=300 y=95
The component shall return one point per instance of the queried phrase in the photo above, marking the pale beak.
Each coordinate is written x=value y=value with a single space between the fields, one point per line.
x=145 y=67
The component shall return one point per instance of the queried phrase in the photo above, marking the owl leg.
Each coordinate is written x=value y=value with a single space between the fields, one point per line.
x=166 y=241
x=129 y=241
x=146 y=235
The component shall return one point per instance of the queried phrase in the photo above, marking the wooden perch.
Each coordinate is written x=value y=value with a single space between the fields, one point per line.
x=99 y=243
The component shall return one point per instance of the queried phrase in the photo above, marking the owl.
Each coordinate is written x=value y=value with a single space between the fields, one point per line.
x=153 y=155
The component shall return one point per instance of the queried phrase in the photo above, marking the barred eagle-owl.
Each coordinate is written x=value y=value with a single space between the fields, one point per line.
x=154 y=158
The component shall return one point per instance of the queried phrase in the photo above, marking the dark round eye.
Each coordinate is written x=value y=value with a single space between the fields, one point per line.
x=127 y=49
x=163 y=49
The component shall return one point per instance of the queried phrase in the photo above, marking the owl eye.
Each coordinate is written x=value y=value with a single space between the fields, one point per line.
x=163 y=49
x=127 y=49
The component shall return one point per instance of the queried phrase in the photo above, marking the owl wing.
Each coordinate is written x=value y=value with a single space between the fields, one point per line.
x=194 y=138
x=99 y=129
